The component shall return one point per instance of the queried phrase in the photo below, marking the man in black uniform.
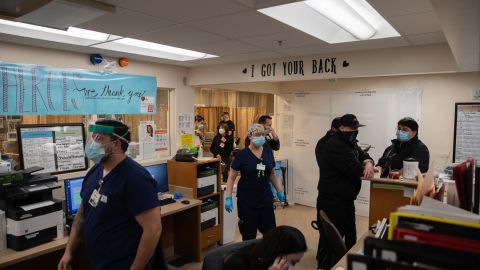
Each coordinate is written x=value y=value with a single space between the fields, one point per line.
x=406 y=145
x=342 y=164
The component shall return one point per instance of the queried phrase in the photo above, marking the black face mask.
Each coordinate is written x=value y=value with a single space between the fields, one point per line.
x=349 y=136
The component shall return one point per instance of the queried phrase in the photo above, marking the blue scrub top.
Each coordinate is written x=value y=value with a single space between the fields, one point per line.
x=111 y=233
x=251 y=188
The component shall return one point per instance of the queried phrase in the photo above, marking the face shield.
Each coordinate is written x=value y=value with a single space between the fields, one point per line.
x=98 y=147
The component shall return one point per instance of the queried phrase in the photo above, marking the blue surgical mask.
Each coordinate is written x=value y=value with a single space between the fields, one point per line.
x=402 y=136
x=200 y=126
x=221 y=131
x=258 y=141
x=94 y=151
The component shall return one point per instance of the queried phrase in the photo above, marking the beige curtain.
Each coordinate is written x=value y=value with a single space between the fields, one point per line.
x=244 y=107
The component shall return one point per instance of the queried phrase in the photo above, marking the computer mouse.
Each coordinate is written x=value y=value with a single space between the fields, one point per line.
x=186 y=202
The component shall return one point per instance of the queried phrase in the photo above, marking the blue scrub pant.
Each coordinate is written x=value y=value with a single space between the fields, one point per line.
x=251 y=219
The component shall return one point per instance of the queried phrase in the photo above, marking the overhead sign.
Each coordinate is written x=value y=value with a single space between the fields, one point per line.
x=33 y=89
x=328 y=65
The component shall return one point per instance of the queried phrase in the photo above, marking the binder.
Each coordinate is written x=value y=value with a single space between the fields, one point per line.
x=437 y=239
x=414 y=253
x=361 y=262
x=433 y=224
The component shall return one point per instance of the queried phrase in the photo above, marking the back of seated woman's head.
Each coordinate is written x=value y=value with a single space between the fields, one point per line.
x=281 y=241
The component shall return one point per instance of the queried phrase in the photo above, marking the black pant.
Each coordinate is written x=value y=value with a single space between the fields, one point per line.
x=342 y=214
x=226 y=169
x=251 y=219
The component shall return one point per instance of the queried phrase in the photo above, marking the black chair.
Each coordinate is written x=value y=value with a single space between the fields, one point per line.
x=332 y=242
x=215 y=258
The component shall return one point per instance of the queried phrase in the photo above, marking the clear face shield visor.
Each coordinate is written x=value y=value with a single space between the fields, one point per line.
x=96 y=131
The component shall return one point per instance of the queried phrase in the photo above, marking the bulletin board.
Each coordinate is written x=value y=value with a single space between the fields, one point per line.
x=466 y=138
x=58 y=148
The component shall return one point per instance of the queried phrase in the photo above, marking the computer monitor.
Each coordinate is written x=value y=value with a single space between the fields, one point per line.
x=72 y=195
x=159 y=173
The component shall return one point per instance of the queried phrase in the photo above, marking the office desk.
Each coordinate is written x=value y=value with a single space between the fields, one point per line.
x=181 y=228
x=386 y=195
x=356 y=249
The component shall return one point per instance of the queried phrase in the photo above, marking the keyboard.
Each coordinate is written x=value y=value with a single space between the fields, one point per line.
x=165 y=201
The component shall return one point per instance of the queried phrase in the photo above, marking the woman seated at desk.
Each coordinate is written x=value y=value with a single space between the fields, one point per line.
x=279 y=249
x=406 y=145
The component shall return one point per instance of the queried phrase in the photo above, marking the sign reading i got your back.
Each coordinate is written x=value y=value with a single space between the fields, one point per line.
x=296 y=67
x=33 y=89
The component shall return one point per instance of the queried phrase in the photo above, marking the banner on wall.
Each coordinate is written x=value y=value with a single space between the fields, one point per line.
x=41 y=90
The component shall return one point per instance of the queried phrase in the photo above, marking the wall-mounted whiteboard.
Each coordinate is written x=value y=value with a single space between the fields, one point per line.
x=304 y=117
x=466 y=139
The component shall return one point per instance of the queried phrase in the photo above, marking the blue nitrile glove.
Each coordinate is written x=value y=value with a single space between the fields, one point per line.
x=228 y=204
x=280 y=196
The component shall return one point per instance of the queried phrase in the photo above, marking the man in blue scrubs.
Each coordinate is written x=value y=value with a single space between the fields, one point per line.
x=119 y=217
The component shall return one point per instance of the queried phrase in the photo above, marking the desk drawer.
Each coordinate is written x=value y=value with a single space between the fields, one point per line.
x=210 y=236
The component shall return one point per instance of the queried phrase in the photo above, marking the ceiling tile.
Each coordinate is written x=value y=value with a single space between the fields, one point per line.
x=289 y=39
x=417 y=23
x=181 y=10
x=179 y=36
x=389 y=8
x=244 y=24
x=346 y=47
x=223 y=48
x=125 y=23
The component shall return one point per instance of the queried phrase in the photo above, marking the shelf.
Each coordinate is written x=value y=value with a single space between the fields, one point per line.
x=208 y=196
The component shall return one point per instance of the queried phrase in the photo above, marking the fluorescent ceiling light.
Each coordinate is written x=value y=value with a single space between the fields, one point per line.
x=152 y=49
x=333 y=21
x=88 y=38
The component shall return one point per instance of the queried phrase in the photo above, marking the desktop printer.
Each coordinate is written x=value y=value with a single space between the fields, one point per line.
x=31 y=212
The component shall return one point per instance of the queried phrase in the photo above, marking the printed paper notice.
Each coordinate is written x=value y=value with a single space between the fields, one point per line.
x=161 y=140
x=145 y=131
x=185 y=123
x=186 y=140
x=147 y=104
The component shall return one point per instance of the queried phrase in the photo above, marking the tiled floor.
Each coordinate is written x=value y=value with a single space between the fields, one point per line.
x=298 y=216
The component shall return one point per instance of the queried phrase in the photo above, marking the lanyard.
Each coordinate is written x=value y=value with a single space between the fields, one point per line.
x=100 y=184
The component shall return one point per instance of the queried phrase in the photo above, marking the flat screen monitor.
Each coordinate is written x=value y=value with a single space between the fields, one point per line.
x=58 y=148
x=159 y=173
x=72 y=194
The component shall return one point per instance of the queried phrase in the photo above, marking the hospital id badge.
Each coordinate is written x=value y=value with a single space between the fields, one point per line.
x=261 y=167
x=94 y=198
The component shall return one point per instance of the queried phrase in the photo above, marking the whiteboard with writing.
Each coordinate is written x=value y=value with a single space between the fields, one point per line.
x=310 y=114
x=466 y=142
x=56 y=148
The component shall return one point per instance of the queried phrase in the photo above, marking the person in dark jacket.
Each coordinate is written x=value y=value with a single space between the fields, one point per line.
x=342 y=165
x=222 y=146
x=225 y=119
x=321 y=254
x=271 y=136
x=279 y=249
x=406 y=145
x=321 y=143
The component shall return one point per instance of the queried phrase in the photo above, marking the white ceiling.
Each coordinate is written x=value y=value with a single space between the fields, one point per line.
x=235 y=31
